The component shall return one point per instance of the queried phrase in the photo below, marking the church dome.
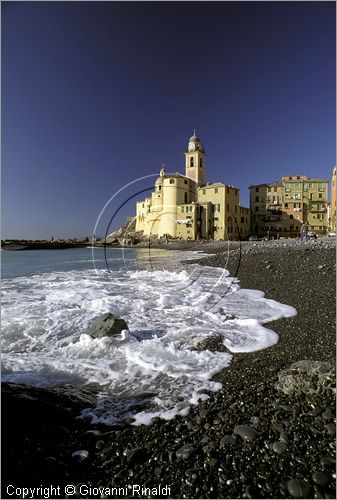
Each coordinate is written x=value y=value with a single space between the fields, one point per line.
x=195 y=143
x=194 y=138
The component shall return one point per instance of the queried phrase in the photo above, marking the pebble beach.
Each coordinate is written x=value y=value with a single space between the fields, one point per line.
x=268 y=433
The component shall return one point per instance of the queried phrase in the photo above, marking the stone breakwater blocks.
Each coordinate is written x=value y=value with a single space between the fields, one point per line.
x=107 y=325
x=308 y=378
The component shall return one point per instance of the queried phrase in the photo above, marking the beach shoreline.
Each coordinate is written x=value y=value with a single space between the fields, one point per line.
x=201 y=455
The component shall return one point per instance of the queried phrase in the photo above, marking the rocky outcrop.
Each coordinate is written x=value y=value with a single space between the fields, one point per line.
x=107 y=325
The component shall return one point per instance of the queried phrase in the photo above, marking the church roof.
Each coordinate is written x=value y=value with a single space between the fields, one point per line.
x=194 y=138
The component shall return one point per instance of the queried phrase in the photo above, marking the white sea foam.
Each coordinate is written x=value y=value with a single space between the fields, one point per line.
x=151 y=370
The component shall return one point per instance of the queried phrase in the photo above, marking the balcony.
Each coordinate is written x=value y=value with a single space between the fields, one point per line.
x=271 y=218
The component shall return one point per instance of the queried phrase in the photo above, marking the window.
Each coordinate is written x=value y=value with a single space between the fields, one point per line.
x=185 y=181
x=217 y=207
x=204 y=191
x=291 y=216
x=236 y=193
x=297 y=196
x=298 y=177
x=310 y=185
x=256 y=198
x=269 y=190
x=242 y=220
x=256 y=190
x=320 y=195
x=171 y=181
x=227 y=206
x=320 y=187
x=286 y=205
x=275 y=189
x=287 y=187
x=200 y=162
x=185 y=197
x=227 y=190
x=143 y=205
x=305 y=186
x=256 y=209
x=182 y=209
x=159 y=187
x=215 y=190
x=290 y=178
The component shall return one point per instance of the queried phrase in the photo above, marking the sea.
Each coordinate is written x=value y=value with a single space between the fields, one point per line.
x=154 y=369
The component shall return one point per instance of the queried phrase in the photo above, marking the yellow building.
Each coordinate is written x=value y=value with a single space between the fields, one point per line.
x=280 y=208
x=333 y=202
x=186 y=207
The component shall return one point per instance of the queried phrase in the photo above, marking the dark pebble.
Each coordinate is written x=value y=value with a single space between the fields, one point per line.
x=327 y=461
x=298 y=488
x=80 y=455
x=227 y=440
x=320 y=478
x=328 y=415
x=279 y=447
x=251 y=492
x=247 y=433
x=315 y=412
x=284 y=436
x=331 y=429
x=185 y=451
x=136 y=455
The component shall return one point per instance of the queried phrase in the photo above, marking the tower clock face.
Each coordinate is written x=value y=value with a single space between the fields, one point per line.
x=192 y=146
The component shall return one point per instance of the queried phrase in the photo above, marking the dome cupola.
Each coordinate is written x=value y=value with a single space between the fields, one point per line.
x=194 y=143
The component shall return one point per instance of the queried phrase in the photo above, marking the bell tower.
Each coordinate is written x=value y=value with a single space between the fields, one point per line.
x=195 y=161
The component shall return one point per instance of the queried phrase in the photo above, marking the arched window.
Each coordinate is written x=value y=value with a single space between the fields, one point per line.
x=192 y=162
x=185 y=197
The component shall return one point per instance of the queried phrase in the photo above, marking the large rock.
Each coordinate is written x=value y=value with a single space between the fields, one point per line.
x=308 y=378
x=107 y=325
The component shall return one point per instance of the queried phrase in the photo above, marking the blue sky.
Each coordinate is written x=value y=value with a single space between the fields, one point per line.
x=98 y=94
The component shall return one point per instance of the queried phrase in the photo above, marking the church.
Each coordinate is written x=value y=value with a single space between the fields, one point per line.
x=189 y=208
